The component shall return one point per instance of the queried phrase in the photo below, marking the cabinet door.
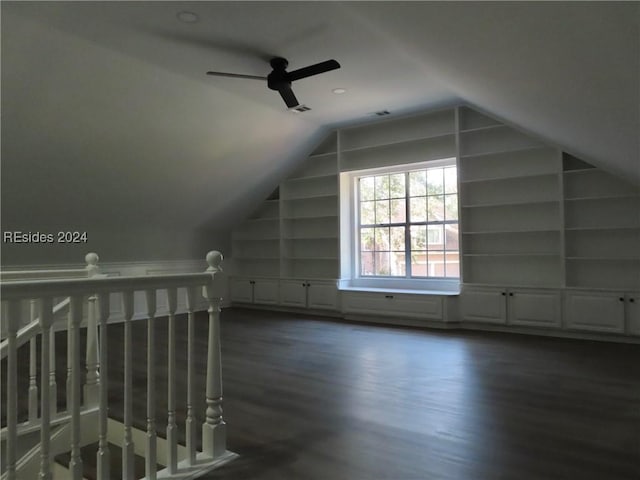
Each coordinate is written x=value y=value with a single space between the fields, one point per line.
x=633 y=313
x=293 y=293
x=241 y=290
x=322 y=295
x=483 y=305
x=595 y=311
x=265 y=291
x=534 y=308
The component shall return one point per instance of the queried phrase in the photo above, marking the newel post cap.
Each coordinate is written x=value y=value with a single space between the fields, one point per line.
x=92 y=263
x=214 y=260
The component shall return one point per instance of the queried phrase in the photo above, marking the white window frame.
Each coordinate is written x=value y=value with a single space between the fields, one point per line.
x=350 y=237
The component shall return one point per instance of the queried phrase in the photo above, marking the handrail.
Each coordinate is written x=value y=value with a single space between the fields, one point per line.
x=20 y=290
x=30 y=330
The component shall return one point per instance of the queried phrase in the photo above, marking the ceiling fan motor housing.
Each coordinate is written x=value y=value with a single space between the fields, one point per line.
x=278 y=78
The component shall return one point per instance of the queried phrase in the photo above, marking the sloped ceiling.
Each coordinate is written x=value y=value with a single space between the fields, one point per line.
x=108 y=116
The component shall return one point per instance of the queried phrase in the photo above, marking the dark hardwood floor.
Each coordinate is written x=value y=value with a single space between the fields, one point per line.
x=316 y=399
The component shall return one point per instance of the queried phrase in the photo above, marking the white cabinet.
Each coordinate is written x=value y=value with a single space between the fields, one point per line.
x=633 y=313
x=428 y=307
x=254 y=290
x=597 y=311
x=315 y=294
x=522 y=307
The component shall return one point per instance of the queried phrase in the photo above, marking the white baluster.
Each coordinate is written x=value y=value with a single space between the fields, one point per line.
x=151 y=454
x=75 y=316
x=53 y=387
x=214 y=428
x=172 y=430
x=91 y=389
x=103 y=445
x=12 y=387
x=190 y=422
x=46 y=320
x=127 y=447
x=33 y=375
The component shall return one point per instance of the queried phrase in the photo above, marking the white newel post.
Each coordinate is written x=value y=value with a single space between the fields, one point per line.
x=214 y=428
x=91 y=387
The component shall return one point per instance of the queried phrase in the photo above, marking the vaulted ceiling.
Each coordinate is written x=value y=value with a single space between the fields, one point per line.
x=107 y=113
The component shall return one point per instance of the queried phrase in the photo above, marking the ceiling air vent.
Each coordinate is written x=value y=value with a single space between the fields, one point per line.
x=382 y=113
x=299 y=109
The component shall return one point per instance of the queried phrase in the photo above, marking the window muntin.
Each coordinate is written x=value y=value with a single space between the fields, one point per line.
x=408 y=223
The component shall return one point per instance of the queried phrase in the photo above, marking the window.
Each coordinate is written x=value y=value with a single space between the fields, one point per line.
x=406 y=222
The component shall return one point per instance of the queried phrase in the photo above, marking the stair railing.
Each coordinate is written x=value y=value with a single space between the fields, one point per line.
x=98 y=292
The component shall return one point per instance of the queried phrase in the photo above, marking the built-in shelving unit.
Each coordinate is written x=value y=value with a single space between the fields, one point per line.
x=602 y=228
x=510 y=202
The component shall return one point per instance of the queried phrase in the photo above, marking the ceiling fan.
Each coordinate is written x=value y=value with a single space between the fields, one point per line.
x=280 y=80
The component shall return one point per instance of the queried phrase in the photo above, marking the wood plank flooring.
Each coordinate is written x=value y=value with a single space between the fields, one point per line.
x=317 y=399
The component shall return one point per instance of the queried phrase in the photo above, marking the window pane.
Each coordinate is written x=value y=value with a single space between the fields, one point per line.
x=396 y=185
x=382 y=263
x=435 y=236
x=398 y=266
x=452 y=239
x=435 y=263
x=451 y=207
x=398 y=211
x=435 y=208
x=382 y=211
x=419 y=263
x=367 y=213
x=418 y=237
x=366 y=263
x=418 y=183
x=397 y=238
x=382 y=238
x=450 y=180
x=452 y=267
x=366 y=239
x=366 y=188
x=382 y=187
x=418 y=209
x=435 y=181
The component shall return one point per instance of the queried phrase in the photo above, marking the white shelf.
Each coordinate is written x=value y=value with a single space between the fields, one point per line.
x=312 y=197
x=503 y=232
x=328 y=176
x=509 y=178
x=398 y=143
x=483 y=128
x=601 y=228
x=605 y=259
x=532 y=254
x=512 y=204
x=602 y=198
x=501 y=151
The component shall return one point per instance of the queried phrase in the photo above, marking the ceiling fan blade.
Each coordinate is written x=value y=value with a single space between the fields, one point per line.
x=288 y=96
x=312 y=70
x=236 y=75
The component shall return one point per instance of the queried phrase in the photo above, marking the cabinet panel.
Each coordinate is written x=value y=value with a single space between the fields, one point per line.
x=400 y=305
x=633 y=314
x=293 y=293
x=323 y=296
x=595 y=311
x=241 y=290
x=265 y=291
x=486 y=306
x=534 y=308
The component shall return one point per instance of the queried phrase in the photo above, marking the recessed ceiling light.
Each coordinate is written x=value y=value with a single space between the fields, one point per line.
x=187 y=17
x=339 y=91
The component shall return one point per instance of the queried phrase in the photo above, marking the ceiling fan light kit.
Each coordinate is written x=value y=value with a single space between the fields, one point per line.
x=280 y=80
